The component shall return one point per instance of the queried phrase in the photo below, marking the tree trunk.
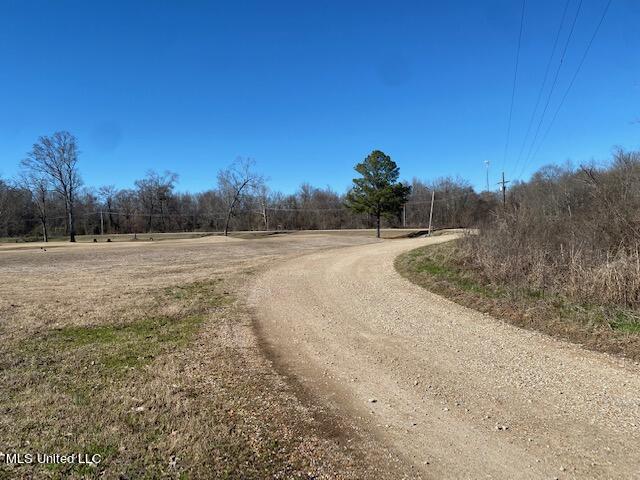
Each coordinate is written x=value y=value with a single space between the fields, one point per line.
x=72 y=225
x=112 y=224
x=226 y=223
x=378 y=225
x=264 y=218
x=45 y=234
x=66 y=218
x=230 y=212
x=163 y=225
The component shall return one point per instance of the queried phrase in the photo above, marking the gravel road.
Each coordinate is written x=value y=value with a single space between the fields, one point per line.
x=455 y=393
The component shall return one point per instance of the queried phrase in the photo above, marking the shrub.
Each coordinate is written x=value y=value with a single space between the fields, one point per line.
x=574 y=231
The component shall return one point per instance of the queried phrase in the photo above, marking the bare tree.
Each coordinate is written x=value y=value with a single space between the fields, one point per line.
x=154 y=192
x=107 y=195
x=4 y=196
x=56 y=158
x=39 y=186
x=235 y=182
x=126 y=203
x=262 y=194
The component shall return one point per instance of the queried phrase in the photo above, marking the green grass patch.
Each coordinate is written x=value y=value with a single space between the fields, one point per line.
x=63 y=387
x=434 y=266
x=626 y=322
x=111 y=349
x=204 y=293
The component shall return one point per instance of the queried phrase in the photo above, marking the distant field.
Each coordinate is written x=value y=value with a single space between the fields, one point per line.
x=125 y=237
x=148 y=237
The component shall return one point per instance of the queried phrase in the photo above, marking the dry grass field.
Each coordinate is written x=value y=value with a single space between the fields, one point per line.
x=145 y=353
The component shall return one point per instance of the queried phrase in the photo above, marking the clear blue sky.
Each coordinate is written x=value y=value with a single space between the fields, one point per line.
x=309 y=88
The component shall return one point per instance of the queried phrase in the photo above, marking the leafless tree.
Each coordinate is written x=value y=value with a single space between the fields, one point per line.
x=126 y=203
x=235 y=182
x=262 y=195
x=107 y=194
x=154 y=192
x=56 y=158
x=4 y=195
x=39 y=186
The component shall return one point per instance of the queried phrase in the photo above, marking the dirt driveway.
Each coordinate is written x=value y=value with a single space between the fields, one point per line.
x=457 y=393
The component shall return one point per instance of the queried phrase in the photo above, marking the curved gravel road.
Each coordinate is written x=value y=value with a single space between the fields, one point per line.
x=453 y=392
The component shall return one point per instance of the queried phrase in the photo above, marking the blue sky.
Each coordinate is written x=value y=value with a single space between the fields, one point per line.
x=307 y=89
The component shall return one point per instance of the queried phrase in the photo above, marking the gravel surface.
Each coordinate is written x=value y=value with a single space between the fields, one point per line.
x=454 y=392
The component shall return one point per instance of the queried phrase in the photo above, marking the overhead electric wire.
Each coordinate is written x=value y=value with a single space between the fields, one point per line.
x=442 y=197
x=513 y=89
x=575 y=75
x=553 y=86
x=544 y=84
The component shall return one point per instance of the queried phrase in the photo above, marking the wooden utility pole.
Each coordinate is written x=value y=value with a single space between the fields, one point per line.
x=433 y=195
x=503 y=186
x=101 y=223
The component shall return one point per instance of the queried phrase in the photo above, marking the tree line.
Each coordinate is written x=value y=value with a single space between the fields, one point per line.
x=571 y=230
x=49 y=199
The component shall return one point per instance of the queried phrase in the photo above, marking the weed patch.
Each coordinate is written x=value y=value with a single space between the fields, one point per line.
x=70 y=389
x=109 y=349
x=441 y=269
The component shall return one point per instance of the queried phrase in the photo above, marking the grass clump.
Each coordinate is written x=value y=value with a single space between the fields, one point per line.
x=202 y=293
x=76 y=388
x=625 y=321
x=113 y=348
x=443 y=269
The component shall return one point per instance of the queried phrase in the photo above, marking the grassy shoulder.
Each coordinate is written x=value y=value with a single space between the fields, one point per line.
x=604 y=328
x=179 y=393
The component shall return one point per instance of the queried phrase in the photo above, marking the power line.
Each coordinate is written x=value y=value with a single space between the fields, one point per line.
x=285 y=209
x=446 y=197
x=513 y=89
x=575 y=75
x=544 y=83
x=553 y=85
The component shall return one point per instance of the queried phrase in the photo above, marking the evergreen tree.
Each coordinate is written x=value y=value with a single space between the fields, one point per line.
x=377 y=192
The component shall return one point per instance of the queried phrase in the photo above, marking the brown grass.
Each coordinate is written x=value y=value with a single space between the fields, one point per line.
x=571 y=232
x=443 y=269
x=145 y=354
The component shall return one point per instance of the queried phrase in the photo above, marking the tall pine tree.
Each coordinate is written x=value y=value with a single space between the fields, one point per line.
x=377 y=192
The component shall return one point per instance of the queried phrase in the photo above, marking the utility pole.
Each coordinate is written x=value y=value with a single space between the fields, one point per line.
x=101 y=223
x=486 y=162
x=503 y=186
x=433 y=194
